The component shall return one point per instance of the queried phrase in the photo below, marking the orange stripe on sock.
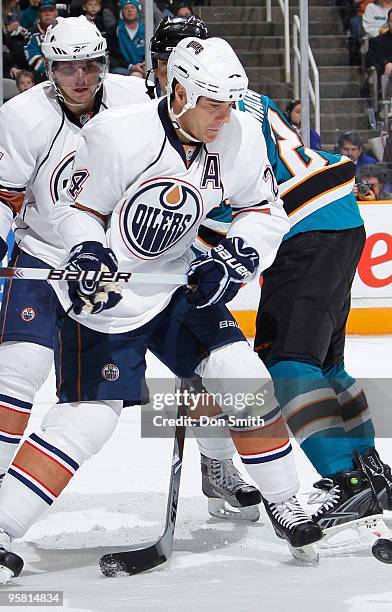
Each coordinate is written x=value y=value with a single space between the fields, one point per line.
x=12 y=421
x=261 y=440
x=270 y=450
x=44 y=469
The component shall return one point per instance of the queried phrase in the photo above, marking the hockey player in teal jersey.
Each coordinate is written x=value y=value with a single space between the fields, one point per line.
x=300 y=328
x=324 y=406
x=308 y=180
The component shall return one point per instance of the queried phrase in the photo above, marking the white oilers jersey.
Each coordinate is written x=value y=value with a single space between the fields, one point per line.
x=38 y=139
x=151 y=198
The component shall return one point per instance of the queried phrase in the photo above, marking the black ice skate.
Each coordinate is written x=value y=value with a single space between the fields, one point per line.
x=292 y=523
x=10 y=564
x=229 y=496
x=351 y=516
x=379 y=474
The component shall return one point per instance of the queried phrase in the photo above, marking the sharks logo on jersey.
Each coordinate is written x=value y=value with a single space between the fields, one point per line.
x=158 y=215
x=60 y=176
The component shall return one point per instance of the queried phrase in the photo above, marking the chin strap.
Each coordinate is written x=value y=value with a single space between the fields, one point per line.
x=174 y=119
x=151 y=86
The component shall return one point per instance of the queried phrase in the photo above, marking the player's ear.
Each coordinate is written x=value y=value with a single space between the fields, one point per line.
x=180 y=93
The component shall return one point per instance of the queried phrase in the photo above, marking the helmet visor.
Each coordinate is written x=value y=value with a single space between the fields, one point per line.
x=79 y=72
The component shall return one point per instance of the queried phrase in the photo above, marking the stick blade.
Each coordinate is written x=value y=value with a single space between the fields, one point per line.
x=131 y=562
x=136 y=561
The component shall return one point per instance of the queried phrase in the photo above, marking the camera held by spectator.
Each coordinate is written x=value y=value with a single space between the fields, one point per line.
x=370 y=185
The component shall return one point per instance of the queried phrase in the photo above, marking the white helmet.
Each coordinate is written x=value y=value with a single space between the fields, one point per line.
x=73 y=38
x=206 y=68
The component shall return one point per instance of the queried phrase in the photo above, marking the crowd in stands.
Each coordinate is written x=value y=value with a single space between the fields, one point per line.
x=373 y=178
x=121 y=21
x=368 y=25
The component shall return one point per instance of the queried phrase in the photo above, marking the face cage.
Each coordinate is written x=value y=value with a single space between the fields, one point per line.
x=102 y=74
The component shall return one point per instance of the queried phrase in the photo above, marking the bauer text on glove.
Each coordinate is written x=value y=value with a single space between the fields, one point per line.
x=217 y=275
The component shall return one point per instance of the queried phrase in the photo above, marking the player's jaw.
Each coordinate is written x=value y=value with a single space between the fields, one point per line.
x=82 y=94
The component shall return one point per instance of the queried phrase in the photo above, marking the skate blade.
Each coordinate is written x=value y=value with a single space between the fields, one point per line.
x=220 y=509
x=308 y=554
x=355 y=535
x=5 y=574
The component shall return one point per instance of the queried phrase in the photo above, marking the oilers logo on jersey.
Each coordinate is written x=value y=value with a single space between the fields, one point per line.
x=158 y=215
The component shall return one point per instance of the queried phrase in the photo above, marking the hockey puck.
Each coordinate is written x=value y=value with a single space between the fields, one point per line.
x=382 y=550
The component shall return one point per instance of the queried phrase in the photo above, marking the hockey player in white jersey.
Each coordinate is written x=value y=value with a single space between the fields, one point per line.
x=229 y=495
x=32 y=174
x=143 y=179
x=38 y=134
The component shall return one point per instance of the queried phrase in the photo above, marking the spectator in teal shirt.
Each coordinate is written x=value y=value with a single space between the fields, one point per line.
x=30 y=14
x=130 y=33
x=47 y=13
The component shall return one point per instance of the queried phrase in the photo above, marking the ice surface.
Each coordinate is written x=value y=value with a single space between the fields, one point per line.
x=119 y=498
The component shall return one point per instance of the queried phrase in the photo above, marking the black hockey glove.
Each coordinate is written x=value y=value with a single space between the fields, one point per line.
x=3 y=248
x=217 y=275
x=92 y=296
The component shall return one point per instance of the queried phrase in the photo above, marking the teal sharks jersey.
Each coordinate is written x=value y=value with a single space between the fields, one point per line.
x=315 y=186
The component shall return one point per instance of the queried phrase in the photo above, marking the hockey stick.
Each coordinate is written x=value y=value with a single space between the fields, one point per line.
x=137 y=560
x=78 y=275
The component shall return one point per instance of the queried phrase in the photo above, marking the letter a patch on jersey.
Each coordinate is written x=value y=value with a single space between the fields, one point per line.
x=76 y=182
x=211 y=172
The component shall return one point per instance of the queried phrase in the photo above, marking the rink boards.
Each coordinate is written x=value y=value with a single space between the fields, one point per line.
x=371 y=311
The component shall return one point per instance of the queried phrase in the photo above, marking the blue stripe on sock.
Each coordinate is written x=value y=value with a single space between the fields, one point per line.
x=4 y=438
x=55 y=451
x=270 y=415
x=268 y=457
x=15 y=402
x=31 y=486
